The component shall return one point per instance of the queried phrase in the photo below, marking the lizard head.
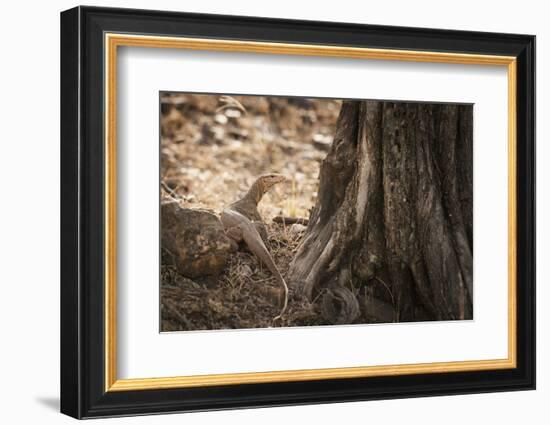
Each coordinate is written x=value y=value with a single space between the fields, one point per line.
x=267 y=181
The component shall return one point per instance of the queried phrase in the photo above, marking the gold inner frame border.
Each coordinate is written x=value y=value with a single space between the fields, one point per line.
x=113 y=40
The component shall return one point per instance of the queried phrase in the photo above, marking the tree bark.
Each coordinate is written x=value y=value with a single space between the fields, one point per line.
x=390 y=237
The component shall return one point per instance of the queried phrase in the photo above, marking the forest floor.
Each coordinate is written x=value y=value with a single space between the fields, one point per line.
x=209 y=158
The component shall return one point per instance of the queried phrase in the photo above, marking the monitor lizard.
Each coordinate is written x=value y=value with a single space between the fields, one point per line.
x=242 y=222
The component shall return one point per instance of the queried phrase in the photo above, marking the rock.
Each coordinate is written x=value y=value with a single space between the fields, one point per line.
x=195 y=239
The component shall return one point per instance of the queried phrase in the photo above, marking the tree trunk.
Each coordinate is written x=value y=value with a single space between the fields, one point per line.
x=390 y=237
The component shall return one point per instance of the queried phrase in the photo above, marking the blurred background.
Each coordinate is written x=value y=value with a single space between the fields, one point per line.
x=213 y=147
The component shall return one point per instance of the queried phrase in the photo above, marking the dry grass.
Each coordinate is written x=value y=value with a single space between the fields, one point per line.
x=210 y=157
x=245 y=295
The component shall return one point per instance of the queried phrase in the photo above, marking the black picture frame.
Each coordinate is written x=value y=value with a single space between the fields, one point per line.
x=83 y=392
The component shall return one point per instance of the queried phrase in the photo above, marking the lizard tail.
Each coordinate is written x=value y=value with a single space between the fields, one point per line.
x=285 y=304
x=255 y=243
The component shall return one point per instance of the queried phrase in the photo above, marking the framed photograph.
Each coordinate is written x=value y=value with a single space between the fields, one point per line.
x=261 y=212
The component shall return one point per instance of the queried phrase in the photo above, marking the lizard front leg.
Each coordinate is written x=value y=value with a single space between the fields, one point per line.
x=260 y=227
x=235 y=235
